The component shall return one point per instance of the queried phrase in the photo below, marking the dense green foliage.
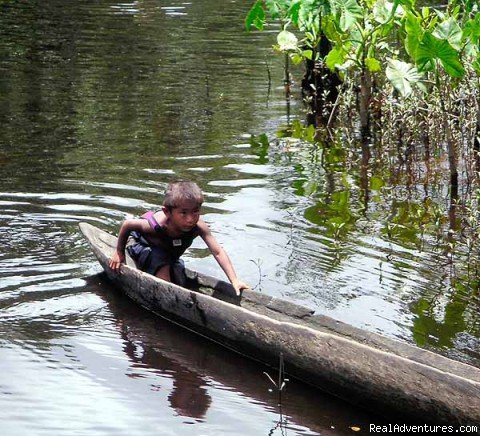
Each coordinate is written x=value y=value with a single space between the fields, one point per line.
x=397 y=38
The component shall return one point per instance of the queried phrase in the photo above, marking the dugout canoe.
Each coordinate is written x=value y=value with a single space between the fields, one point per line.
x=369 y=370
x=150 y=343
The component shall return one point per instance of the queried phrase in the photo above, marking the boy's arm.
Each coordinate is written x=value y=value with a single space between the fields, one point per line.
x=221 y=257
x=127 y=226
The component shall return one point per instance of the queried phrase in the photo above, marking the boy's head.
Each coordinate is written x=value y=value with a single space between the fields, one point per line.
x=181 y=192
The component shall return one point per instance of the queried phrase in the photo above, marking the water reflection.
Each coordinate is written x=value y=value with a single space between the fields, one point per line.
x=189 y=396
x=199 y=368
x=405 y=234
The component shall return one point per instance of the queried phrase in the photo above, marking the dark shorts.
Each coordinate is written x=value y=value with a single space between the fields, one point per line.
x=150 y=259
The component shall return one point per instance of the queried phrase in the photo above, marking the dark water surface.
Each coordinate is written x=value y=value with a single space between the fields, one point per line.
x=101 y=105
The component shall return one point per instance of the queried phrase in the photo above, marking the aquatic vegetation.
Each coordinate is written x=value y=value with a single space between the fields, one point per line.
x=407 y=82
x=392 y=93
x=375 y=47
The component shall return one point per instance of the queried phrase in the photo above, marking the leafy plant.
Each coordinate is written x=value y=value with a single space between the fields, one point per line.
x=404 y=77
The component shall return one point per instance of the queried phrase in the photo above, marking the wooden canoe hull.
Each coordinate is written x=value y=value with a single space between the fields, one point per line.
x=366 y=369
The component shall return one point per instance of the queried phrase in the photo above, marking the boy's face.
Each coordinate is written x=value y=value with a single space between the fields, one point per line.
x=184 y=216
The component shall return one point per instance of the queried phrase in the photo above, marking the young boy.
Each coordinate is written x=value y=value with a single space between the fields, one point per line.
x=160 y=238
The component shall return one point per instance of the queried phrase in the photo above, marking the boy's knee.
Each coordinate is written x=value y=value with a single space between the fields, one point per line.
x=164 y=273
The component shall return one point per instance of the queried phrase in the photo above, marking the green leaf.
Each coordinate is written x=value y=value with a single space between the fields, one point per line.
x=347 y=12
x=425 y=12
x=409 y=4
x=450 y=31
x=276 y=8
x=471 y=30
x=373 y=65
x=403 y=76
x=382 y=11
x=414 y=31
x=336 y=56
x=376 y=183
x=297 y=58
x=287 y=41
x=330 y=29
x=432 y=49
x=308 y=54
x=256 y=16
x=294 y=11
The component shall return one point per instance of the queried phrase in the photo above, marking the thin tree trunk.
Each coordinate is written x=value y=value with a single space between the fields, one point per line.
x=364 y=109
x=476 y=138
x=452 y=156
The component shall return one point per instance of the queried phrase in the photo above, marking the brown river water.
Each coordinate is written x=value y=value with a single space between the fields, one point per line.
x=101 y=105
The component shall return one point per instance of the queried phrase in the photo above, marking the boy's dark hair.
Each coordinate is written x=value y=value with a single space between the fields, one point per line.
x=177 y=192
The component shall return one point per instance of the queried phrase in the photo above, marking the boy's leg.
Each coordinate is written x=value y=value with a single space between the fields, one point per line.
x=159 y=263
x=164 y=273
x=177 y=273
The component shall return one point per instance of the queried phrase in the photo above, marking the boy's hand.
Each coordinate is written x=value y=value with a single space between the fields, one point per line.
x=116 y=260
x=239 y=286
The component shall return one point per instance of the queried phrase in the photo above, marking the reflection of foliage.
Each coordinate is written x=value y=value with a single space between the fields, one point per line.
x=297 y=130
x=458 y=315
x=334 y=157
x=412 y=74
x=393 y=197
x=408 y=221
x=334 y=213
x=427 y=330
x=260 y=146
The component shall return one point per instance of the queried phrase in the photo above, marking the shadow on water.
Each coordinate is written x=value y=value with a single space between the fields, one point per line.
x=197 y=366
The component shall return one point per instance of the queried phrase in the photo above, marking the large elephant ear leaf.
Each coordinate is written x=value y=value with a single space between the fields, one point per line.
x=415 y=32
x=403 y=76
x=348 y=12
x=432 y=49
x=471 y=29
x=450 y=31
